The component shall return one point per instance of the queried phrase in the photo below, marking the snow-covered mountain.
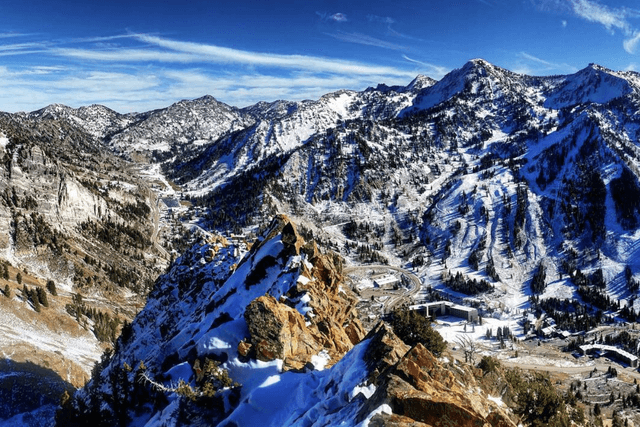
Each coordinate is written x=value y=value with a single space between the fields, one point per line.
x=485 y=164
x=506 y=191
x=485 y=168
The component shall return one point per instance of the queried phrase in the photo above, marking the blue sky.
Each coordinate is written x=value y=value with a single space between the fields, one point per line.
x=141 y=55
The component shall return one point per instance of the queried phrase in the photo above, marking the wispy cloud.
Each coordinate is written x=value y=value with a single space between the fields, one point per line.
x=198 y=52
x=611 y=18
x=339 y=17
x=335 y=17
x=365 y=40
x=147 y=72
x=21 y=46
x=533 y=65
x=535 y=59
x=631 y=44
x=382 y=19
x=434 y=71
x=8 y=35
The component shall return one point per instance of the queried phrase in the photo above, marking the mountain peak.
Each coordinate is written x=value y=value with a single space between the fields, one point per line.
x=592 y=84
x=597 y=67
x=420 y=82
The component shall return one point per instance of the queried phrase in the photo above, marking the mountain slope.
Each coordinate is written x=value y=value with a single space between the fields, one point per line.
x=489 y=169
x=281 y=329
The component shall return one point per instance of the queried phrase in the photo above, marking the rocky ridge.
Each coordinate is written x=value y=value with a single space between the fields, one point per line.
x=280 y=320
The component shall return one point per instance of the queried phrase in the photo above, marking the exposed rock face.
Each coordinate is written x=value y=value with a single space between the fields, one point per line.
x=279 y=331
x=422 y=391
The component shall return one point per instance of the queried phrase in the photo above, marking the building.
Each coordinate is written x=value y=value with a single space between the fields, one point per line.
x=615 y=353
x=446 y=308
x=387 y=282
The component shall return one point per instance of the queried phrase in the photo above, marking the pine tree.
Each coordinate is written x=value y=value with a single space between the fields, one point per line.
x=19 y=278
x=33 y=296
x=538 y=282
x=42 y=296
x=51 y=287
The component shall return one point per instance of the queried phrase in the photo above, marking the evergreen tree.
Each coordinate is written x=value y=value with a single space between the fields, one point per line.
x=19 y=278
x=33 y=296
x=7 y=291
x=42 y=296
x=413 y=328
x=51 y=287
x=538 y=282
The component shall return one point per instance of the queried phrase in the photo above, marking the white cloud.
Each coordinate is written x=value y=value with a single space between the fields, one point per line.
x=383 y=19
x=563 y=23
x=365 y=40
x=611 y=18
x=595 y=12
x=205 y=52
x=530 y=57
x=631 y=44
x=532 y=65
x=154 y=72
x=339 y=17
x=434 y=71
x=125 y=55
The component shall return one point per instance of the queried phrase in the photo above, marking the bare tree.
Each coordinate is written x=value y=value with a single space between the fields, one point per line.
x=469 y=347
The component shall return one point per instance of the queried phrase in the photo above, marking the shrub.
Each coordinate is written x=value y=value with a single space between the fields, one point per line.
x=413 y=328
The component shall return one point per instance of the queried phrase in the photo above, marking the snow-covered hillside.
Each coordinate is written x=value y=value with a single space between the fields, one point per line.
x=482 y=169
x=511 y=193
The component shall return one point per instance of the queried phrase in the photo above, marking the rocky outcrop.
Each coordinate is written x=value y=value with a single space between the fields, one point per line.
x=421 y=390
x=330 y=323
x=279 y=332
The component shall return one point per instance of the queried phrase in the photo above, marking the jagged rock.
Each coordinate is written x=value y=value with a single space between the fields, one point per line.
x=385 y=349
x=421 y=389
x=279 y=332
x=244 y=349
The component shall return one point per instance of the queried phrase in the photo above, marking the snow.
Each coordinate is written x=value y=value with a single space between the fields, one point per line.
x=366 y=390
x=497 y=400
x=382 y=409
x=270 y=397
x=320 y=360
x=182 y=371
x=83 y=349
x=298 y=399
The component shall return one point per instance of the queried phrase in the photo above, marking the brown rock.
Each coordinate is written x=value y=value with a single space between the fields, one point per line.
x=421 y=389
x=279 y=332
x=244 y=348
x=385 y=348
